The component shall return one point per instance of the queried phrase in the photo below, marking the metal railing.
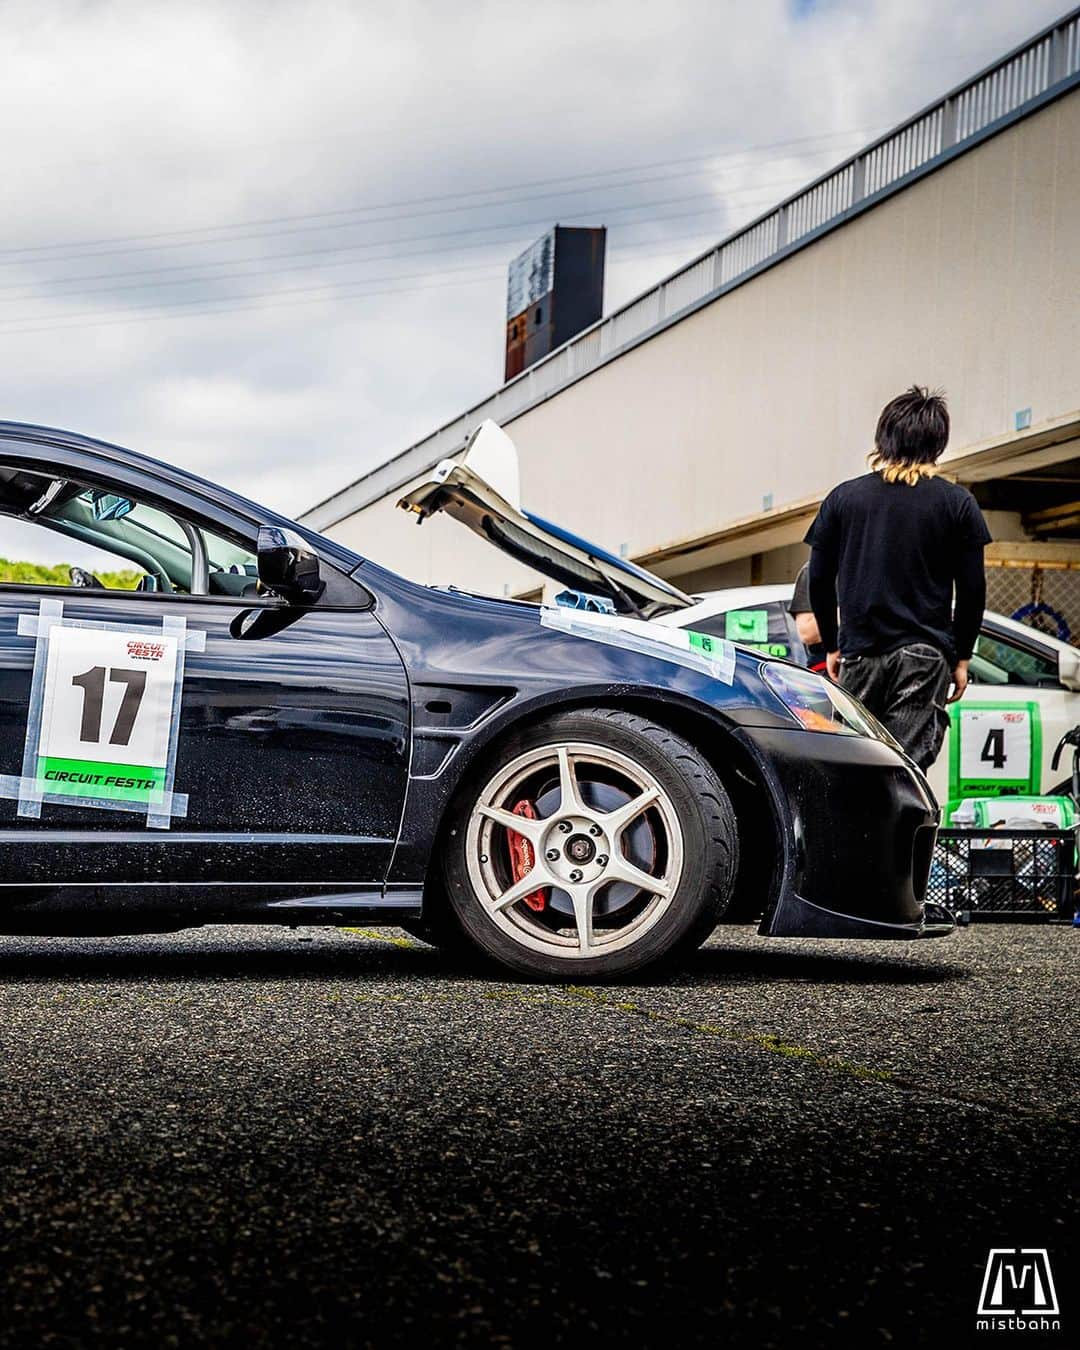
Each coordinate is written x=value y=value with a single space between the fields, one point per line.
x=1010 y=87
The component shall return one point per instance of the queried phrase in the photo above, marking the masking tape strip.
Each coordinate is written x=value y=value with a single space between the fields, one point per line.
x=193 y=640
x=160 y=817
x=14 y=788
x=30 y=794
x=650 y=639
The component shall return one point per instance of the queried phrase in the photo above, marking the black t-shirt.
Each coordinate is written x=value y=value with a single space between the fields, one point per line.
x=800 y=604
x=891 y=554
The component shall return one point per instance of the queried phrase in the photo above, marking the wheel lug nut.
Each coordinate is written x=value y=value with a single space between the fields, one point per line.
x=552 y=854
x=602 y=860
x=594 y=829
x=575 y=875
x=565 y=826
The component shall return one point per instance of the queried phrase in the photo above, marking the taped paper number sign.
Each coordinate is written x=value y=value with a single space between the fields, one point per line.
x=996 y=747
x=106 y=715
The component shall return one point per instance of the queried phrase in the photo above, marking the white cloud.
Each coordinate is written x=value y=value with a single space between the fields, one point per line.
x=139 y=119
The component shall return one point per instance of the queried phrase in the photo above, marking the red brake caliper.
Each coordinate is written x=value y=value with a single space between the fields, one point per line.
x=521 y=855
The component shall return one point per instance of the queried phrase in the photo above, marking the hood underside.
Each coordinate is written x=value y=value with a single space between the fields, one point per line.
x=482 y=491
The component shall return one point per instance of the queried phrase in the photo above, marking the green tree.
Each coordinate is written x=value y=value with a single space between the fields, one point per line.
x=44 y=574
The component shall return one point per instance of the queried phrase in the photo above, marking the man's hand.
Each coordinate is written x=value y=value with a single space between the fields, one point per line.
x=832 y=666
x=959 y=681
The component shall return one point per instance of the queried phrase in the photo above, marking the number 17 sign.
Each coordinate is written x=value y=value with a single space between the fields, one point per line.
x=994 y=747
x=106 y=715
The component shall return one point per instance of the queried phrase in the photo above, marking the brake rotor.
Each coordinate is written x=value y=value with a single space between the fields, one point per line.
x=638 y=845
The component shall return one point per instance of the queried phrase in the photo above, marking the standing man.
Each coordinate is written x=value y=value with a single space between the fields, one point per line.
x=806 y=625
x=891 y=547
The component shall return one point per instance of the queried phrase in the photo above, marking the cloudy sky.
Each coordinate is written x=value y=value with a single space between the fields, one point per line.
x=268 y=239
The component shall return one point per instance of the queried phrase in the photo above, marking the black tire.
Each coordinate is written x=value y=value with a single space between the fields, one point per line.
x=709 y=848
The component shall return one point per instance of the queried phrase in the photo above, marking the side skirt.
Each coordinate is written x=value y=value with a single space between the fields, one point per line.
x=153 y=907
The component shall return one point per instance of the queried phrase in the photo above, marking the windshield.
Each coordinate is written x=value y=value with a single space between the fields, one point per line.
x=998 y=660
x=149 y=521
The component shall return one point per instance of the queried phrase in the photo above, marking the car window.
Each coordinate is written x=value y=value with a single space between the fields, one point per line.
x=764 y=627
x=997 y=660
x=58 y=532
x=143 y=524
x=31 y=555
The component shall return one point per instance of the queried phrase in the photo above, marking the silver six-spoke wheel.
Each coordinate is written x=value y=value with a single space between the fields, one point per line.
x=574 y=849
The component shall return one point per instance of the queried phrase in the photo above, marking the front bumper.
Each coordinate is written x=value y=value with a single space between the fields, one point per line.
x=859 y=825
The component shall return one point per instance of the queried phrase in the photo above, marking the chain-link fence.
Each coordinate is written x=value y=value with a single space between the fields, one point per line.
x=1044 y=597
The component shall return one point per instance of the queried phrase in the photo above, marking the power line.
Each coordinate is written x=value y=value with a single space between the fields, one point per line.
x=498 y=206
x=430 y=270
x=387 y=219
x=345 y=291
x=347 y=287
x=74 y=285
x=357 y=224
x=748 y=153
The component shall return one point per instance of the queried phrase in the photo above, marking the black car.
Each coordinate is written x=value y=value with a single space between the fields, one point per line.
x=257 y=725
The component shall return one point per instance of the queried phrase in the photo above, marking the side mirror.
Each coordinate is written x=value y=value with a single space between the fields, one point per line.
x=1069 y=668
x=288 y=566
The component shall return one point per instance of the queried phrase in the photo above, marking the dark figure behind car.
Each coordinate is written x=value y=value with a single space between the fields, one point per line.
x=890 y=547
x=806 y=625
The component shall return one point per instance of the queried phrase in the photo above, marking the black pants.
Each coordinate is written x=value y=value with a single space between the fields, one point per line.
x=905 y=690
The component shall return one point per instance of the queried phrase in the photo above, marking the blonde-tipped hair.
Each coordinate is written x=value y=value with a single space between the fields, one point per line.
x=911 y=436
x=899 y=470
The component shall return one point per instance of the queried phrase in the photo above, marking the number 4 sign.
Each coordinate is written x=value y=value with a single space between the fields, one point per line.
x=993 y=748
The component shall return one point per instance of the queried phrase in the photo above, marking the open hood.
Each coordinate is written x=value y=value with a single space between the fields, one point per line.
x=483 y=492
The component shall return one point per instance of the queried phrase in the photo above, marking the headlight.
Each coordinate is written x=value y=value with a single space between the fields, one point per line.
x=819 y=705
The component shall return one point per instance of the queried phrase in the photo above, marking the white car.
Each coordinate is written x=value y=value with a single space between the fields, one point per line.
x=1023 y=696
x=1025 y=685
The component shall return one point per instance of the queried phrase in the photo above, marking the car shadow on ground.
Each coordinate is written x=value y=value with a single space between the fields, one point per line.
x=156 y=959
x=740 y=965
x=148 y=961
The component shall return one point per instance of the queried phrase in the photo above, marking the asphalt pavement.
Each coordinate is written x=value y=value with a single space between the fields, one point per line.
x=254 y=1137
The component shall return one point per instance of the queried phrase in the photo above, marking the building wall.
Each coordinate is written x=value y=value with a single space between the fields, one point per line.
x=966 y=280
